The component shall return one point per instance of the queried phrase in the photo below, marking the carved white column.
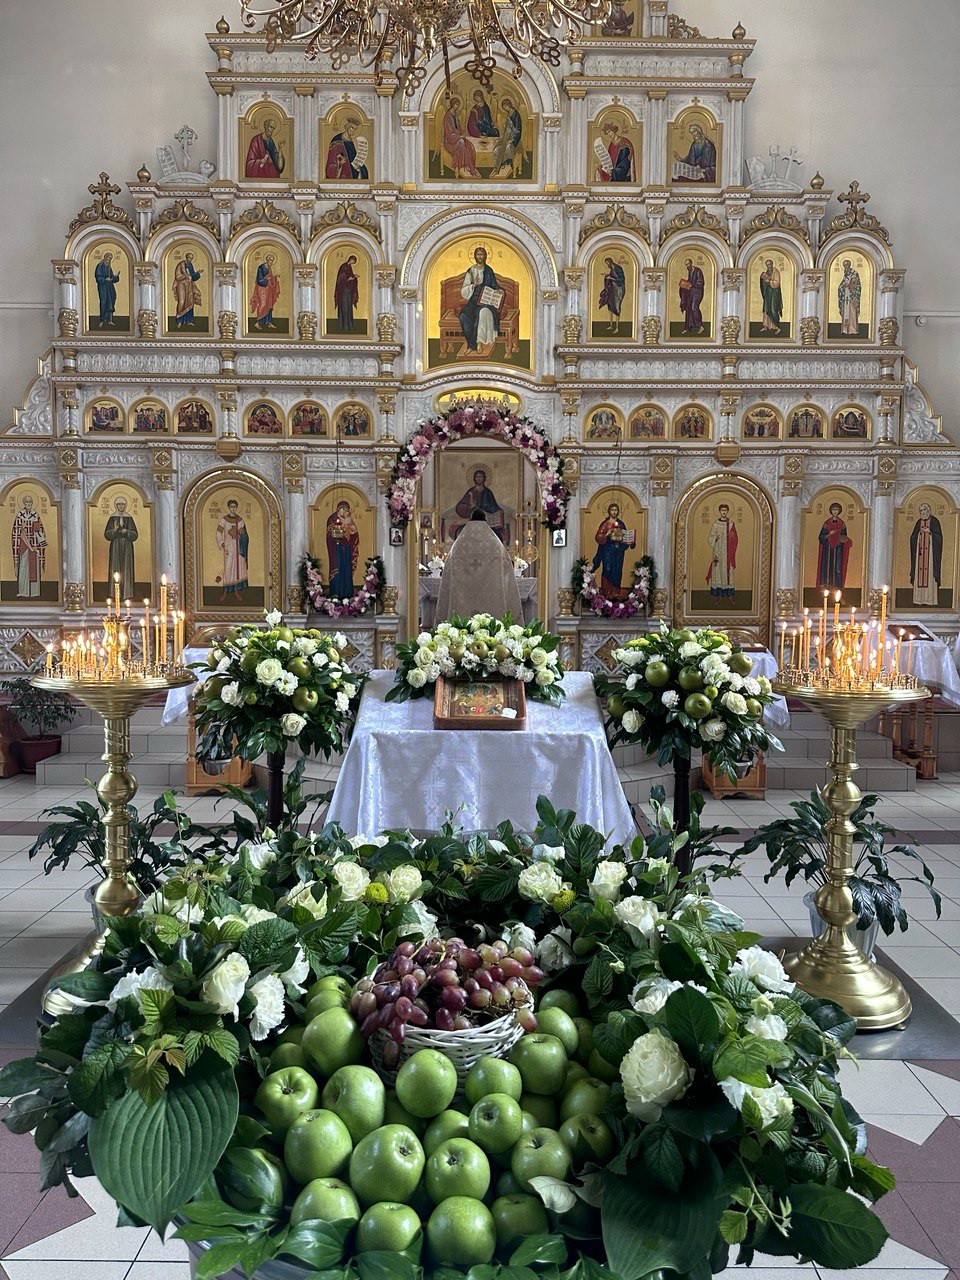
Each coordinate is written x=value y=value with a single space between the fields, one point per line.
x=735 y=206
x=307 y=275
x=881 y=535
x=655 y=139
x=74 y=533
x=225 y=277
x=549 y=299
x=787 y=594
x=574 y=203
x=732 y=174
x=409 y=301
x=890 y=316
x=66 y=275
x=552 y=144
x=655 y=18
x=168 y=532
x=409 y=137
x=306 y=134
x=651 y=325
x=68 y=410
x=816 y=201
x=732 y=319
x=655 y=203
x=384 y=166
x=228 y=411
x=387 y=213
x=146 y=275
x=295 y=516
x=226 y=134
x=811 y=290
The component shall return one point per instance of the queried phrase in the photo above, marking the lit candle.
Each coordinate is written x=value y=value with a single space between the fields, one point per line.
x=116 y=592
x=783 y=636
x=156 y=639
x=49 y=659
x=793 y=649
x=910 y=657
x=899 y=644
x=162 y=652
x=836 y=613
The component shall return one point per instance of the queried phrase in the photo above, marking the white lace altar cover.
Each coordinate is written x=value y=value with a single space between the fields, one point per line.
x=400 y=772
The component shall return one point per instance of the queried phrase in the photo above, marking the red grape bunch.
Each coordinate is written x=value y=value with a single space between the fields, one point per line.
x=448 y=985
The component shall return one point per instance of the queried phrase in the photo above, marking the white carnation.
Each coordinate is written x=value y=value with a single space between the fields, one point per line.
x=763 y=968
x=230 y=694
x=225 y=986
x=690 y=649
x=631 y=721
x=320 y=660
x=131 y=984
x=773 y=1101
x=305 y=646
x=640 y=917
x=650 y=996
x=286 y=683
x=654 y=1073
x=669 y=698
x=751 y=686
x=632 y=680
x=734 y=681
x=735 y=703
x=539 y=882
x=292 y=724
x=268 y=1011
x=352 y=879
x=274 y=618
x=296 y=975
x=554 y=951
x=607 y=879
x=269 y=671
x=343 y=702
x=432 y=672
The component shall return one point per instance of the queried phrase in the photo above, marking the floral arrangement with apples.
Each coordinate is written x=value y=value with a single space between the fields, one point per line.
x=677 y=1097
x=684 y=690
x=366 y=597
x=479 y=648
x=273 y=686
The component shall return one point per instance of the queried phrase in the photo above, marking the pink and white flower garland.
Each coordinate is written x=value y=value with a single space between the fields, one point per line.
x=365 y=598
x=637 y=598
x=485 y=420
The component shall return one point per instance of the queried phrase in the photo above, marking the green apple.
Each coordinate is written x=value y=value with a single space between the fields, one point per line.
x=656 y=674
x=496 y=1122
x=540 y=1154
x=516 y=1217
x=304 y=699
x=331 y=981
x=386 y=1165
x=697 y=705
x=554 y=1021
x=541 y=1061
x=356 y=1094
x=585 y=1098
x=213 y=687
x=559 y=998
x=686 y=635
x=492 y=1075
x=325 y=1200
x=448 y=1124
x=543 y=1109
x=575 y=1071
x=253 y=1180
x=285 y=634
x=740 y=663
x=530 y=1121
x=426 y=1083
x=299 y=667
x=601 y=1069
x=615 y=706
x=461 y=1233
x=458 y=1167
x=292 y=1035
x=287 y=1055
x=394 y=1113
x=390 y=1227
x=507 y=1185
x=690 y=679
x=754 y=708
x=321 y=1002
x=585 y=1047
x=284 y=1095
x=332 y=1040
x=589 y=1139
x=250 y=661
x=317 y=1145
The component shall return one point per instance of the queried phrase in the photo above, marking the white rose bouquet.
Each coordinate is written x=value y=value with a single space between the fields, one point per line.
x=480 y=648
x=275 y=685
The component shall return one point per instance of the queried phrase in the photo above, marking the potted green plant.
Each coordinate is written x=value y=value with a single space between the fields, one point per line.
x=798 y=847
x=43 y=710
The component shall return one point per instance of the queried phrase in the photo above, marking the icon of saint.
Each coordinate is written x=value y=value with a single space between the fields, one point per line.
x=121 y=532
x=612 y=539
x=834 y=554
x=343 y=551
x=28 y=541
x=722 y=539
x=265 y=158
x=233 y=539
x=926 y=557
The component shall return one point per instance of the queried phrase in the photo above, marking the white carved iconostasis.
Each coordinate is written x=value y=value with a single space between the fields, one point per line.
x=244 y=343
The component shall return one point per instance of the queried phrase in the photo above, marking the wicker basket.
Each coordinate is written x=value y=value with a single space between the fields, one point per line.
x=491 y=1040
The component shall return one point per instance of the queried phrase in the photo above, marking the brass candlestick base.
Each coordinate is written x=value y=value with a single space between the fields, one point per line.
x=832 y=967
x=115 y=699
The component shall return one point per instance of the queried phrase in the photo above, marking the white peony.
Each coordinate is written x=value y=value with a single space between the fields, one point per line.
x=632 y=680
x=769 y=1028
x=352 y=879
x=713 y=730
x=131 y=984
x=269 y=671
x=230 y=694
x=650 y=996
x=773 y=1101
x=521 y=935
x=432 y=672
x=607 y=879
x=292 y=724
x=296 y=975
x=424 y=638
x=751 y=687
x=735 y=703
x=305 y=646
x=640 y=917
x=654 y=1073
x=350 y=690
x=554 y=951
x=225 y=986
x=320 y=660
x=538 y=657
x=631 y=721
x=361 y=841
x=425 y=925
x=268 y=1011
x=763 y=968
x=403 y=884
x=548 y=853
x=669 y=698
x=415 y=678
x=539 y=882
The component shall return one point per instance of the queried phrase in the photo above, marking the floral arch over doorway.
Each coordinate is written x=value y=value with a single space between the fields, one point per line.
x=485 y=421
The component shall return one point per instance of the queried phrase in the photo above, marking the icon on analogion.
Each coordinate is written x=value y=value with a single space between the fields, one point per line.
x=29 y=545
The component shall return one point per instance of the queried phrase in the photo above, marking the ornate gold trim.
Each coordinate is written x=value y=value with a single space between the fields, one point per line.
x=267 y=211
x=854 y=217
x=776 y=218
x=102 y=209
x=695 y=215
x=615 y=215
x=184 y=211
x=347 y=211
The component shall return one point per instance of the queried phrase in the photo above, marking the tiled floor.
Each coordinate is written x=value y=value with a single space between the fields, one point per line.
x=912 y=1108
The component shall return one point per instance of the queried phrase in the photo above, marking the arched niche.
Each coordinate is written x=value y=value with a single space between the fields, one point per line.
x=346 y=146
x=612 y=284
x=850 y=423
x=108 y=298
x=149 y=416
x=186 y=284
x=850 y=283
x=613 y=537
x=120 y=539
x=647 y=422
x=834 y=538
x=691 y=299
x=265 y=144
x=480 y=133
x=805 y=421
x=614 y=148
x=266 y=269
x=30 y=544
x=723 y=552
x=194 y=417
x=771 y=274
x=694 y=149
x=104 y=416
x=924 y=558
x=603 y=424
x=308 y=420
x=692 y=424
x=352 y=422
x=761 y=422
x=232 y=531
x=263 y=418
x=346 y=291
x=342 y=537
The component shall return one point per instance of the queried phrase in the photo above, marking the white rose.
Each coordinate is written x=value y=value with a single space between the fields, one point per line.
x=268 y=1011
x=538 y=657
x=256 y=915
x=539 y=882
x=773 y=1101
x=631 y=721
x=548 y=853
x=131 y=984
x=660 y=865
x=650 y=996
x=302 y=896
x=292 y=724
x=653 y=1073
x=425 y=925
x=690 y=649
x=286 y=683
x=554 y=951
x=260 y=852
x=403 y=884
x=423 y=657
x=735 y=703
x=352 y=879
x=415 y=678
x=769 y=1028
x=230 y=694
x=669 y=698
x=763 y=968
x=545 y=676
x=274 y=618
x=640 y=917
x=225 y=986
x=338 y=639
x=424 y=638
x=521 y=935
x=713 y=730
x=361 y=841
x=343 y=702
x=298 y=971
x=607 y=879
x=515 y=632
x=269 y=671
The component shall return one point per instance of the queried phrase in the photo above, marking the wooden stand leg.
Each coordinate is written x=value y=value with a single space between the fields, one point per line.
x=927 y=764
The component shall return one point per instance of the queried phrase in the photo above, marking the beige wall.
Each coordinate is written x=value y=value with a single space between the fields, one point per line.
x=866 y=89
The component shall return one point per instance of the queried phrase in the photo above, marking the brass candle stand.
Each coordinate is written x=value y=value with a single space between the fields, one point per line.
x=116 y=698
x=832 y=967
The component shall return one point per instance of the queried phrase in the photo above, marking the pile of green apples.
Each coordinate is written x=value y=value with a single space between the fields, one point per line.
x=442 y=1175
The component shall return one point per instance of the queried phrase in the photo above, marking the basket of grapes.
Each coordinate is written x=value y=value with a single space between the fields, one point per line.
x=466 y=1002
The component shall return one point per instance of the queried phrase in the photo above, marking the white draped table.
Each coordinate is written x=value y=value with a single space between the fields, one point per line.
x=400 y=772
x=765 y=664
x=429 y=591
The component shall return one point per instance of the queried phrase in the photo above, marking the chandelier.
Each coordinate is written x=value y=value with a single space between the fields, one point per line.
x=406 y=34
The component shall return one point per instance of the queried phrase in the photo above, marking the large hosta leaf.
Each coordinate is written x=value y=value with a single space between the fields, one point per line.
x=152 y=1159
